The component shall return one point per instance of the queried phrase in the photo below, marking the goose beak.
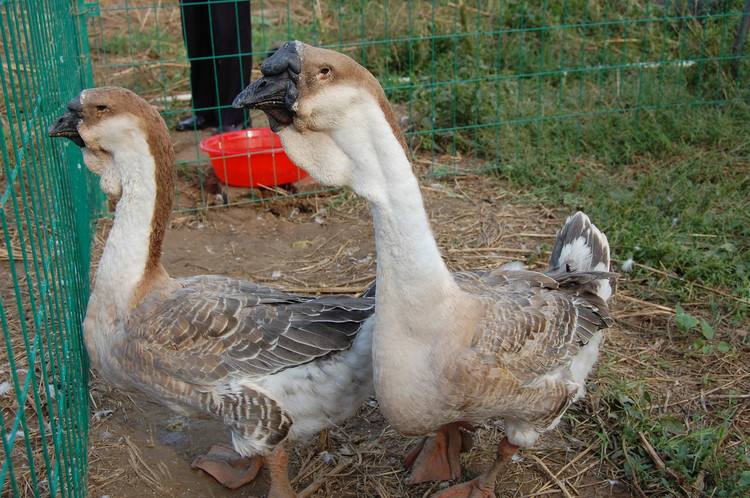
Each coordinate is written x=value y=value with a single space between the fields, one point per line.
x=276 y=92
x=67 y=124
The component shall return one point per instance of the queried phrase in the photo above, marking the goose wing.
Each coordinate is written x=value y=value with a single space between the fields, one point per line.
x=214 y=327
x=534 y=322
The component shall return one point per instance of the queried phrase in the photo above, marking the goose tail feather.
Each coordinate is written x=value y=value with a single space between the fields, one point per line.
x=581 y=255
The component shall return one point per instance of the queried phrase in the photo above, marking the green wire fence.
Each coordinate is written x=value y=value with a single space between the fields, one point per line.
x=496 y=85
x=478 y=84
x=45 y=218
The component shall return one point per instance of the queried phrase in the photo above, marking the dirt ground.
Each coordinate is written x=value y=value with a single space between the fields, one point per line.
x=318 y=244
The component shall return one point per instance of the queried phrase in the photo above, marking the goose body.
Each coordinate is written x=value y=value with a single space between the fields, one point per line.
x=272 y=366
x=519 y=347
x=449 y=350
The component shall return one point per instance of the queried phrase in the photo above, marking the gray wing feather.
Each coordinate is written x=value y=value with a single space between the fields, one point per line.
x=535 y=322
x=212 y=327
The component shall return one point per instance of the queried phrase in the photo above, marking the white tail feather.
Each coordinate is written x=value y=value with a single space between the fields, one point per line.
x=580 y=247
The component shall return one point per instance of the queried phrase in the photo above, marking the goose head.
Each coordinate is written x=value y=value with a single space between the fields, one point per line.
x=121 y=135
x=331 y=113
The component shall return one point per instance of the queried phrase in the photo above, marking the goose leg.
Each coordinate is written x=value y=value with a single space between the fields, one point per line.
x=278 y=465
x=437 y=458
x=484 y=485
x=228 y=467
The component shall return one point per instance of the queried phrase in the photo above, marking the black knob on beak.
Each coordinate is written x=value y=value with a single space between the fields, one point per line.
x=276 y=92
x=67 y=124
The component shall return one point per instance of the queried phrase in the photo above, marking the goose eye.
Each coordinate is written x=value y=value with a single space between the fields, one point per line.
x=324 y=71
x=101 y=108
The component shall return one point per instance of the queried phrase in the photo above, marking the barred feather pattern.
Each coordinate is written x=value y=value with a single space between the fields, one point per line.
x=530 y=331
x=211 y=343
x=536 y=336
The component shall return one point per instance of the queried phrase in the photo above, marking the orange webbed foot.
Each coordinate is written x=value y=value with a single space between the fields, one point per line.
x=475 y=488
x=482 y=486
x=228 y=467
x=437 y=458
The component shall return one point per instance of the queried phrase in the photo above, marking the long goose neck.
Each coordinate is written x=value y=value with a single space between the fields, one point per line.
x=130 y=263
x=411 y=274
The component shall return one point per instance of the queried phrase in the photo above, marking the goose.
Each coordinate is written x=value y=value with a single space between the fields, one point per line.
x=449 y=350
x=273 y=367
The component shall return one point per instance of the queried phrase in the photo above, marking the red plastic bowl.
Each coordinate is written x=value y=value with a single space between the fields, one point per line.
x=250 y=158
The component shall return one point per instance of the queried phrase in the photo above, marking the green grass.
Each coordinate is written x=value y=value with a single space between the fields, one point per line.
x=657 y=420
x=672 y=192
x=125 y=43
x=695 y=448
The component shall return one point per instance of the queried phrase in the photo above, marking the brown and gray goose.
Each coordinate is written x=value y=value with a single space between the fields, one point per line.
x=448 y=350
x=273 y=366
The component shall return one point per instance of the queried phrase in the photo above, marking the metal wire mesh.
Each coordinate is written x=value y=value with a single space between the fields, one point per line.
x=478 y=84
x=45 y=218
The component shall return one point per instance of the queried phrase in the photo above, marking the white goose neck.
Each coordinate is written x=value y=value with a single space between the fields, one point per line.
x=411 y=274
x=126 y=252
